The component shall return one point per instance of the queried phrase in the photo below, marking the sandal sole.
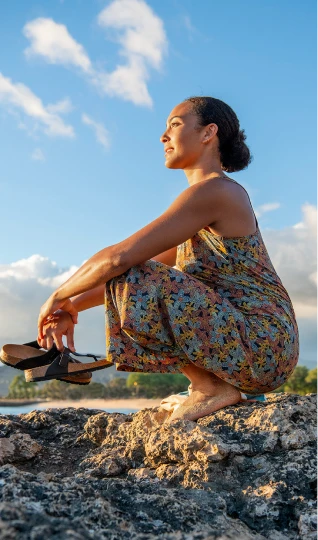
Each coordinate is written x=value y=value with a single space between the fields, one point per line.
x=39 y=374
x=23 y=352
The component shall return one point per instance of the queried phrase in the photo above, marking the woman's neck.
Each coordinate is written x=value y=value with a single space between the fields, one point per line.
x=204 y=171
x=195 y=176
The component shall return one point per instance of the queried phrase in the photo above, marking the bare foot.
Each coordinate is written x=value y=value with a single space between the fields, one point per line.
x=199 y=404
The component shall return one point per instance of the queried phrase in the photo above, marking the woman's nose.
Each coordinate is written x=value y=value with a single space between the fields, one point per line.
x=164 y=137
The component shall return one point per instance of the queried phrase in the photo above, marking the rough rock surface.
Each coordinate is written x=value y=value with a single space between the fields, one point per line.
x=246 y=472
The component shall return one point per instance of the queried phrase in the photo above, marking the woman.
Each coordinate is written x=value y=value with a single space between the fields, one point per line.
x=210 y=305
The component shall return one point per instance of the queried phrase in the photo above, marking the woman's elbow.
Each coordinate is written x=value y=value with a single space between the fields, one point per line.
x=120 y=262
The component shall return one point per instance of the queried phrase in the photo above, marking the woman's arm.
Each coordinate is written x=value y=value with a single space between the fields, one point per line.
x=95 y=297
x=62 y=323
x=89 y=299
x=168 y=257
x=197 y=206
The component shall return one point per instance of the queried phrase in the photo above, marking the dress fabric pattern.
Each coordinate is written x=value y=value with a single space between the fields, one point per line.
x=222 y=308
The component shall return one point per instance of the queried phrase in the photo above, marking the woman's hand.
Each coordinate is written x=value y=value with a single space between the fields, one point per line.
x=48 y=310
x=60 y=324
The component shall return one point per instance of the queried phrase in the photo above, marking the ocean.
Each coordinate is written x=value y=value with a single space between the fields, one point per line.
x=28 y=408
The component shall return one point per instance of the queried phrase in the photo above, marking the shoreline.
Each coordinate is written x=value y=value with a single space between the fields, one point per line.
x=99 y=403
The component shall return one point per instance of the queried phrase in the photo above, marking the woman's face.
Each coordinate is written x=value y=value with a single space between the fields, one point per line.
x=183 y=139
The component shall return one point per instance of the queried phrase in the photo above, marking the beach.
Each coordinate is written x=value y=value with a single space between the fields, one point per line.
x=125 y=406
x=141 y=403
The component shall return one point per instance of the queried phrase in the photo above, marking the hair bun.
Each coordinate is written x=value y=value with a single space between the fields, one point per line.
x=235 y=155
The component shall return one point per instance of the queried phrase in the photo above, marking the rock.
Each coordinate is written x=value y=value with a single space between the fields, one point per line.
x=18 y=447
x=100 y=426
x=307 y=526
x=247 y=472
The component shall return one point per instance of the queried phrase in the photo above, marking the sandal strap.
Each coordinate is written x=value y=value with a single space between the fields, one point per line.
x=33 y=361
x=89 y=355
x=66 y=357
x=35 y=345
x=52 y=356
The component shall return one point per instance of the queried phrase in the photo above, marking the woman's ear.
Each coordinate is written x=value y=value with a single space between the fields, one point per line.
x=209 y=132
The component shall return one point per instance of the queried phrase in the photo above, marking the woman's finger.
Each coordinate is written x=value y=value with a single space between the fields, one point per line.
x=42 y=342
x=59 y=342
x=70 y=339
x=41 y=324
x=49 y=342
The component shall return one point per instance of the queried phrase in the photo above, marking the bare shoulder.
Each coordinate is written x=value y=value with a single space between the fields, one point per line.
x=235 y=216
x=225 y=191
x=208 y=188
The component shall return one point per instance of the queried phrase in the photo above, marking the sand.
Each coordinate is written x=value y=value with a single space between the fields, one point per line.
x=140 y=403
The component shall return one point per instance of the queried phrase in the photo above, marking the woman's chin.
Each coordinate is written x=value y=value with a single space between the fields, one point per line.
x=172 y=164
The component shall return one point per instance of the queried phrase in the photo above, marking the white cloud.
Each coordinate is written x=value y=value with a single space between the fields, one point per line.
x=37 y=155
x=143 y=41
x=268 y=207
x=191 y=29
x=293 y=254
x=134 y=25
x=127 y=82
x=53 y=41
x=24 y=287
x=140 y=30
x=35 y=267
x=61 y=107
x=22 y=98
x=299 y=225
x=310 y=218
x=313 y=277
x=101 y=133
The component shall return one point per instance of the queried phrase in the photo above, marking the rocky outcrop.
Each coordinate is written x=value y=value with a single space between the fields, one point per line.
x=246 y=472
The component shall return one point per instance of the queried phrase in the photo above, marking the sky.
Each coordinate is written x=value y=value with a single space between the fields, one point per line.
x=85 y=91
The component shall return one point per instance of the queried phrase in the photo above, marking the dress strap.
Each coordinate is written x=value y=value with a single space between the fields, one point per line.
x=230 y=179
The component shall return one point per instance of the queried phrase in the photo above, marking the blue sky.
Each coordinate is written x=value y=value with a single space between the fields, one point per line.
x=82 y=166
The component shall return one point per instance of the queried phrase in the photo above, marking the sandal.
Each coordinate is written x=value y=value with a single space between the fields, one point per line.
x=64 y=365
x=30 y=356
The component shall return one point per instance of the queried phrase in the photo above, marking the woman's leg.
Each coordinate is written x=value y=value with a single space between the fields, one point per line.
x=159 y=319
x=208 y=394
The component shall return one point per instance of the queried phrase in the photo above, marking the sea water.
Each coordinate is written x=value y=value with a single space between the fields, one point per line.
x=28 y=408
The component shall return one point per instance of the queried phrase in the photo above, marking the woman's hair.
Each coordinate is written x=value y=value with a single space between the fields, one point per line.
x=234 y=153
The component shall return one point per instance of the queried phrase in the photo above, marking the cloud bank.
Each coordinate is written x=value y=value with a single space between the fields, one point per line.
x=24 y=287
x=26 y=284
x=293 y=254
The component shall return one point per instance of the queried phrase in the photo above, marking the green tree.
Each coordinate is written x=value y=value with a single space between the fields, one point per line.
x=91 y=391
x=116 y=388
x=296 y=383
x=95 y=390
x=54 y=390
x=19 y=388
x=311 y=381
x=76 y=391
x=154 y=385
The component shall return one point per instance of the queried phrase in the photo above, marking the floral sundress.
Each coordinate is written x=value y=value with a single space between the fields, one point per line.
x=222 y=308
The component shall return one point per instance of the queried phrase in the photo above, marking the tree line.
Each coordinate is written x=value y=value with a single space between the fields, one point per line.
x=152 y=385
x=146 y=385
